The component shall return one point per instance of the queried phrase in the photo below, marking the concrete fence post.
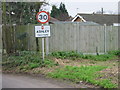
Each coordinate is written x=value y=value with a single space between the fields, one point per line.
x=118 y=38
x=104 y=38
x=47 y=43
x=47 y=46
x=14 y=39
x=28 y=31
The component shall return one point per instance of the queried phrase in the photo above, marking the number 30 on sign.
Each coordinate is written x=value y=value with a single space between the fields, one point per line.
x=42 y=17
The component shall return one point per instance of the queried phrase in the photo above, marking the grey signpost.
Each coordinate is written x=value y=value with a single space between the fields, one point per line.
x=42 y=31
x=43 y=52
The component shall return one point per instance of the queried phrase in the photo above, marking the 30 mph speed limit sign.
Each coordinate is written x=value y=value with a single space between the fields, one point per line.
x=42 y=17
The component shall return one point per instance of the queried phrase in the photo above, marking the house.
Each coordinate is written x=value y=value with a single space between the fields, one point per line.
x=78 y=18
x=53 y=20
x=108 y=19
x=83 y=22
x=116 y=24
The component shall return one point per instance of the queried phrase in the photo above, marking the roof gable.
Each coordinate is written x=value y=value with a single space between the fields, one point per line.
x=78 y=16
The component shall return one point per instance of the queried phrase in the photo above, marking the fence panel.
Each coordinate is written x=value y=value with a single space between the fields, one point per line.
x=83 y=38
x=64 y=37
x=112 y=38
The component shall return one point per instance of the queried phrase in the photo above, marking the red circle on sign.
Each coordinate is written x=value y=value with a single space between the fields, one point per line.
x=43 y=12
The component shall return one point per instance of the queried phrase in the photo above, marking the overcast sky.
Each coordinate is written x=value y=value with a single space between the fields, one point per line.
x=86 y=6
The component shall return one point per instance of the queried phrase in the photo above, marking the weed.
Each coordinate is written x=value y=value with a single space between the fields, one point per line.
x=74 y=55
x=27 y=61
x=49 y=63
x=117 y=52
x=64 y=55
x=103 y=57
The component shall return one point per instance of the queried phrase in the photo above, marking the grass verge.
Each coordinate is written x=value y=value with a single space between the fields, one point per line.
x=76 y=71
x=84 y=73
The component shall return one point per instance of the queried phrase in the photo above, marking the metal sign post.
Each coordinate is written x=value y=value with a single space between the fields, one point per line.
x=42 y=31
x=43 y=54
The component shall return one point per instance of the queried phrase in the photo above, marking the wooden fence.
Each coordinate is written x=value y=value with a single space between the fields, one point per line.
x=64 y=37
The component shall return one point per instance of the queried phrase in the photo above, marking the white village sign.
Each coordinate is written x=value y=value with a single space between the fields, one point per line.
x=42 y=31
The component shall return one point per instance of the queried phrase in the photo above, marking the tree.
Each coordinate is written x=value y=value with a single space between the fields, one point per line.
x=60 y=13
x=63 y=12
x=22 y=12
x=55 y=12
